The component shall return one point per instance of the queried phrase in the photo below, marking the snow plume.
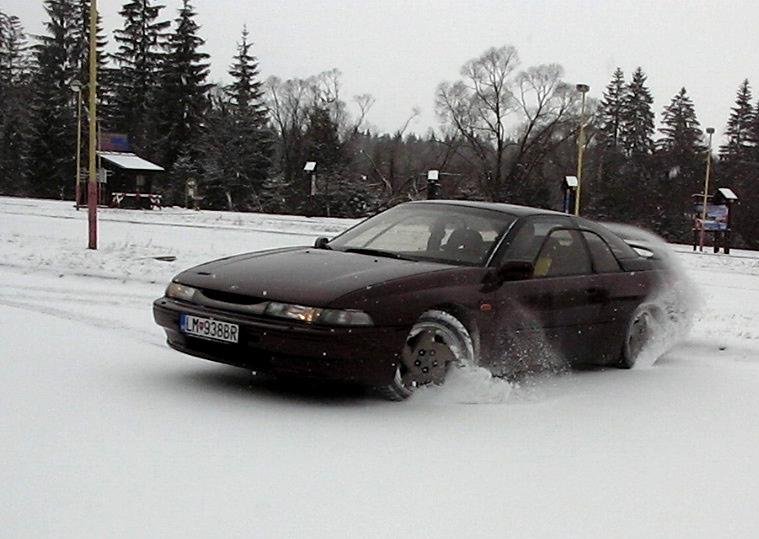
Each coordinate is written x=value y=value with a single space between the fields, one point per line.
x=522 y=347
x=674 y=301
x=521 y=351
x=466 y=384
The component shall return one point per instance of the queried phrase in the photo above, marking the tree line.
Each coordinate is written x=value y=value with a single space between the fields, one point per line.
x=507 y=132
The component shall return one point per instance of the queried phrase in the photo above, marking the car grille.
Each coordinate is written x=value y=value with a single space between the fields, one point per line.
x=230 y=297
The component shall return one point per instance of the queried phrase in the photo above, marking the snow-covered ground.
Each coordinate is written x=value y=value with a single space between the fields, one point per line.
x=105 y=432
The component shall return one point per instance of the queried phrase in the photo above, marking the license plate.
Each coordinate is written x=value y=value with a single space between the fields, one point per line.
x=215 y=330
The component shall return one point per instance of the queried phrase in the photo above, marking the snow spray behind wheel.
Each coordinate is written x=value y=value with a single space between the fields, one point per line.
x=675 y=299
x=522 y=350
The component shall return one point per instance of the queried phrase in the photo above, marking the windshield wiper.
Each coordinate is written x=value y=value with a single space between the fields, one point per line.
x=376 y=252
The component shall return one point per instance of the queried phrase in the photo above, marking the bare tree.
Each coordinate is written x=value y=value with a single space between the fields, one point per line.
x=477 y=107
x=364 y=103
x=503 y=116
x=289 y=104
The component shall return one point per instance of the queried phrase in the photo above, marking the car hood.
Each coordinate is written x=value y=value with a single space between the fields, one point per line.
x=305 y=276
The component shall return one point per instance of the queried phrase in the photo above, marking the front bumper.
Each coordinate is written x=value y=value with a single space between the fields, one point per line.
x=364 y=355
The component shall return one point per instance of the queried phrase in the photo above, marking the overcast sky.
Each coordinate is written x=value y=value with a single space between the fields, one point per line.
x=400 y=50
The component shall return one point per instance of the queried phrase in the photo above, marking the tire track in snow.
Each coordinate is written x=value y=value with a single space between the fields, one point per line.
x=67 y=293
x=134 y=333
x=207 y=226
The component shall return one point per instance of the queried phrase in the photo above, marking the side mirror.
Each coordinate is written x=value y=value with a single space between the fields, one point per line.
x=516 y=270
x=322 y=243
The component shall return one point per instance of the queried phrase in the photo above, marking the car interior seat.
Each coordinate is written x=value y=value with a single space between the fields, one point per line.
x=465 y=244
x=547 y=257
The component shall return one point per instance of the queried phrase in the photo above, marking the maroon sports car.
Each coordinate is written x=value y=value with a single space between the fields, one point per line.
x=398 y=299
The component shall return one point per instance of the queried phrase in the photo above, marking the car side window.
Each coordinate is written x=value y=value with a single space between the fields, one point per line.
x=603 y=259
x=530 y=236
x=563 y=253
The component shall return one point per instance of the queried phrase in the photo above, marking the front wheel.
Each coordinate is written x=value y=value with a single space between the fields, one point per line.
x=436 y=341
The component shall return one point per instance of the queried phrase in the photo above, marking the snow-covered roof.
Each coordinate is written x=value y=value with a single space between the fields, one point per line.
x=727 y=194
x=130 y=161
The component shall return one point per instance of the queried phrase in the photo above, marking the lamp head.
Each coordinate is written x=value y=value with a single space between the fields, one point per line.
x=76 y=86
x=582 y=88
x=710 y=130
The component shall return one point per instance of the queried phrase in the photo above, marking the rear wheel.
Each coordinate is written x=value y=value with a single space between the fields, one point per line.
x=436 y=341
x=640 y=333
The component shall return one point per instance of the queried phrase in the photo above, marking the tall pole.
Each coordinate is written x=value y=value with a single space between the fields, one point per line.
x=583 y=89
x=92 y=187
x=77 y=87
x=710 y=131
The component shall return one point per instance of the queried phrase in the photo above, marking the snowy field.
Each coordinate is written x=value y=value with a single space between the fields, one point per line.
x=106 y=432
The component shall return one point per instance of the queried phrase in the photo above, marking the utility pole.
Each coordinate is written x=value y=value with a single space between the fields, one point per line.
x=77 y=87
x=710 y=131
x=583 y=89
x=92 y=185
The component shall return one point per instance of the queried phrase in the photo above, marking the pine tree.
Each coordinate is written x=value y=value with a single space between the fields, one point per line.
x=14 y=95
x=740 y=127
x=14 y=52
x=739 y=166
x=137 y=77
x=322 y=139
x=246 y=90
x=637 y=126
x=51 y=154
x=61 y=57
x=182 y=100
x=611 y=108
x=323 y=146
x=680 y=127
x=237 y=145
x=79 y=57
x=608 y=199
x=681 y=158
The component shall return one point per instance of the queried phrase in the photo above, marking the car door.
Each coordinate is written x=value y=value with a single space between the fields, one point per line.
x=615 y=294
x=564 y=271
x=545 y=319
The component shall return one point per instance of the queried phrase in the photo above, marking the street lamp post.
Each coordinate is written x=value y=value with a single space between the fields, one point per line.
x=310 y=169
x=76 y=86
x=583 y=89
x=92 y=184
x=433 y=184
x=710 y=132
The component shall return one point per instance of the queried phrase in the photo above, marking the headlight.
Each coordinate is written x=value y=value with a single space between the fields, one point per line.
x=314 y=315
x=294 y=312
x=180 y=291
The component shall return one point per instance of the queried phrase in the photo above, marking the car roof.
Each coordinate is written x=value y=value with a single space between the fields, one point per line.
x=512 y=209
x=621 y=249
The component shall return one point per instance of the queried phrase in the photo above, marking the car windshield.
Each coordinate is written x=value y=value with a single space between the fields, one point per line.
x=444 y=233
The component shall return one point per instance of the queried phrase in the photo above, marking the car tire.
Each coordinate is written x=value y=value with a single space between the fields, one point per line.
x=437 y=341
x=641 y=330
